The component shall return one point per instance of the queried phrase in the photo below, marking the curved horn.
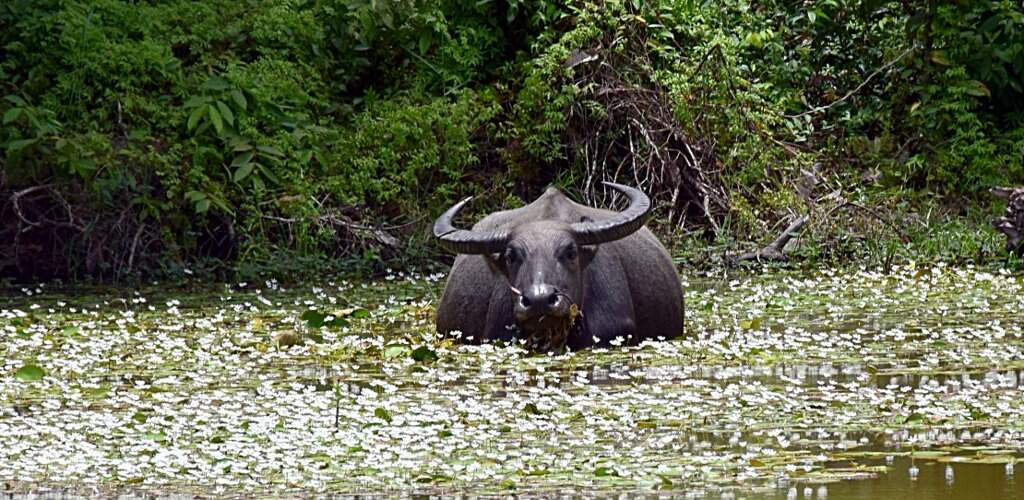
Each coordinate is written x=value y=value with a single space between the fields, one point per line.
x=625 y=223
x=463 y=241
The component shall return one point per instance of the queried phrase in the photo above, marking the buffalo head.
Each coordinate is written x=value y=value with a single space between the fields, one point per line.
x=543 y=260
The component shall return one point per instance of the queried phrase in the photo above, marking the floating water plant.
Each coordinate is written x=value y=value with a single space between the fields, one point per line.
x=785 y=383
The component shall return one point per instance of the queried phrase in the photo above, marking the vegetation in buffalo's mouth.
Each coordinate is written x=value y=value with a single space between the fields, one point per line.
x=550 y=333
x=295 y=138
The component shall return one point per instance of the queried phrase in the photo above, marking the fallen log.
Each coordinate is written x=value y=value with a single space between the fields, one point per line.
x=774 y=250
x=1012 y=222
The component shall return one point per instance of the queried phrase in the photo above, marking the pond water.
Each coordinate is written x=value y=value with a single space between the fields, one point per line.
x=840 y=384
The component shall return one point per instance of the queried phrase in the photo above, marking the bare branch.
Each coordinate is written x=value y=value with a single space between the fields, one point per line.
x=135 y=243
x=774 y=250
x=17 y=207
x=856 y=89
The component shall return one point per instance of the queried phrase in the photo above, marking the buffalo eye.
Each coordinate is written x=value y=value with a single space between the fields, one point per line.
x=511 y=255
x=569 y=253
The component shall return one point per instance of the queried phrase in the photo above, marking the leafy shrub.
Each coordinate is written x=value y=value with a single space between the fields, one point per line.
x=398 y=154
x=142 y=137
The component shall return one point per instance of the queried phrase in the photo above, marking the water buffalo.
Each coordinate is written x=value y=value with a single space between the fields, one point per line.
x=556 y=273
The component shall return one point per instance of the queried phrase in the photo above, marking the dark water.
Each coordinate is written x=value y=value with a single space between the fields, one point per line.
x=934 y=482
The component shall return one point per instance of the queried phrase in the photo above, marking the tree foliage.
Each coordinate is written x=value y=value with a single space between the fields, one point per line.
x=149 y=137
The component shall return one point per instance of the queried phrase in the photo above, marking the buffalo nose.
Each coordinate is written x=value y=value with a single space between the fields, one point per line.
x=539 y=298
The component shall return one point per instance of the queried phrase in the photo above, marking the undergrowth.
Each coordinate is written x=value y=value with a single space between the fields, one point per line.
x=284 y=137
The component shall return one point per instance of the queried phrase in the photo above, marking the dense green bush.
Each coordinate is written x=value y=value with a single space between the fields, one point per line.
x=180 y=130
x=144 y=137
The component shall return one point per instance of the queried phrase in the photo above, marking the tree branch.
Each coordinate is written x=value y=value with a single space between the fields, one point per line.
x=773 y=251
x=855 y=90
x=17 y=207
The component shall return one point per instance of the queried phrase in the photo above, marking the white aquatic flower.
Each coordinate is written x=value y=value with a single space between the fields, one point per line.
x=300 y=420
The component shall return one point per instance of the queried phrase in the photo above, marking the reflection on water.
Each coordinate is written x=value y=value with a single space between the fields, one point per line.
x=934 y=481
x=905 y=480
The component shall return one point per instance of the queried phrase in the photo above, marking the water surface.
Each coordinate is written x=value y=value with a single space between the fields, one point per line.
x=839 y=384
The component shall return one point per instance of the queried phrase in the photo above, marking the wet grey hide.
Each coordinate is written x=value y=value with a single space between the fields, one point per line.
x=530 y=271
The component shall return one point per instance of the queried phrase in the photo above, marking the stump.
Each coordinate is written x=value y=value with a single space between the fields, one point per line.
x=1012 y=222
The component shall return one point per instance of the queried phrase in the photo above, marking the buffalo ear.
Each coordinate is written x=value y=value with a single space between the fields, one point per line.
x=587 y=253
